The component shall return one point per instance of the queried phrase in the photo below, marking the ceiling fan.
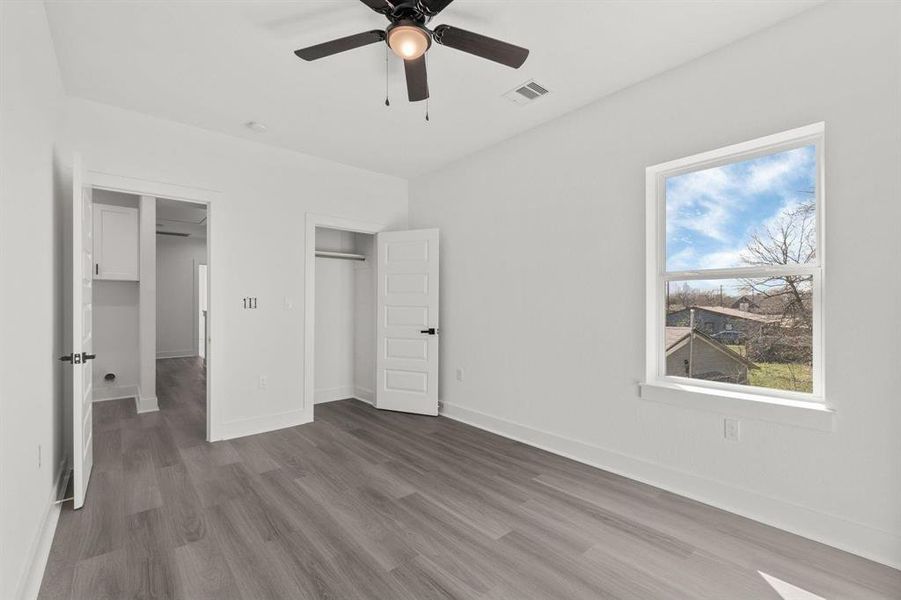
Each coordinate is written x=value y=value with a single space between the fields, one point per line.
x=409 y=38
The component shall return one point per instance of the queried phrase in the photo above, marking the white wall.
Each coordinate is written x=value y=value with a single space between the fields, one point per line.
x=176 y=294
x=334 y=362
x=364 y=318
x=261 y=195
x=146 y=400
x=115 y=324
x=543 y=278
x=115 y=338
x=31 y=233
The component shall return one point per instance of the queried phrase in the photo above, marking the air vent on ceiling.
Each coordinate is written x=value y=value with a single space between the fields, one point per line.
x=175 y=233
x=526 y=93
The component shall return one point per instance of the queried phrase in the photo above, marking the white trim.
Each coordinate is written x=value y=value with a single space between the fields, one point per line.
x=656 y=275
x=739 y=272
x=365 y=395
x=263 y=424
x=146 y=404
x=208 y=197
x=810 y=414
x=149 y=187
x=333 y=394
x=858 y=538
x=39 y=550
x=104 y=393
x=313 y=221
x=163 y=354
x=768 y=144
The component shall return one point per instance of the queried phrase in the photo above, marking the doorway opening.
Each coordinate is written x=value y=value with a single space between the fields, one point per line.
x=181 y=294
x=150 y=306
x=385 y=309
x=345 y=316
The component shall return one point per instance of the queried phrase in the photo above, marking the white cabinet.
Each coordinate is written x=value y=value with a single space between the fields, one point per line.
x=116 y=244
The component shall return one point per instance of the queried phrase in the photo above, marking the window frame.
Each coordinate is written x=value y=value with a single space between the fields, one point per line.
x=657 y=276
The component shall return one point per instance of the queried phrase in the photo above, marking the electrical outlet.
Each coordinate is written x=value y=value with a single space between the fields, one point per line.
x=264 y=381
x=732 y=429
x=459 y=374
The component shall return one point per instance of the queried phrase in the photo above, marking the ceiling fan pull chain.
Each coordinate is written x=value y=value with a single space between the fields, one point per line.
x=387 y=102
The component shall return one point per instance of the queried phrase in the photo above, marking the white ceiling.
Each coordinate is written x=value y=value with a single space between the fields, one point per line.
x=175 y=216
x=218 y=65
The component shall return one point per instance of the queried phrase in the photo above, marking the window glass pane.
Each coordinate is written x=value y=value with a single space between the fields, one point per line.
x=754 y=212
x=754 y=332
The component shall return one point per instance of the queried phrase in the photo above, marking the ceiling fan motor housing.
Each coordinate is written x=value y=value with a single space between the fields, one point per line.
x=406 y=25
x=410 y=11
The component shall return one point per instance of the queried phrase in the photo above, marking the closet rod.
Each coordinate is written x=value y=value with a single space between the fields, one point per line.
x=341 y=255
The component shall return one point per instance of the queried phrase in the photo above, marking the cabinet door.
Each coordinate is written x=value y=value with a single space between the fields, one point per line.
x=115 y=242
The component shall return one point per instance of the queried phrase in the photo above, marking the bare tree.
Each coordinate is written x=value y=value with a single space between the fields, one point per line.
x=789 y=240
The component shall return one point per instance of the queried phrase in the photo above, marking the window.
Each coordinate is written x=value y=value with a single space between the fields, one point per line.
x=735 y=269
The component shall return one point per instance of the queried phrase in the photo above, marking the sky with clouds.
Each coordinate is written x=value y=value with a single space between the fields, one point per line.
x=711 y=214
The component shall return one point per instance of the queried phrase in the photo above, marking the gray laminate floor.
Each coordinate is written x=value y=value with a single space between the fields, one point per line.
x=369 y=504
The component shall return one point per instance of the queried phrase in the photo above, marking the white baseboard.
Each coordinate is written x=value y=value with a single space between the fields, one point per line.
x=175 y=353
x=145 y=404
x=102 y=393
x=860 y=539
x=332 y=394
x=263 y=424
x=39 y=551
x=364 y=395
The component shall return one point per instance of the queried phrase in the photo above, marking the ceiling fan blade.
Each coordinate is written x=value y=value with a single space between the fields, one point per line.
x=379 y=6
x=430 y=8
x=341 y=45
x=480 y=45
x=417 y=79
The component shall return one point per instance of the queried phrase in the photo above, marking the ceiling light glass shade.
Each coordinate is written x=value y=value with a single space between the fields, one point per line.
x=408 y=42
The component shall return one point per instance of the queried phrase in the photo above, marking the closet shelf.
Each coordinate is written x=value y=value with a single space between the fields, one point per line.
x=340 y=255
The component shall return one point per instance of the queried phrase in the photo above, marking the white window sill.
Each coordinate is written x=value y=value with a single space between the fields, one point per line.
x=800 y=413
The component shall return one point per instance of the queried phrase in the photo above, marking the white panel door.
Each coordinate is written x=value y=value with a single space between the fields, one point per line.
x=82 y=338
x=407 y=321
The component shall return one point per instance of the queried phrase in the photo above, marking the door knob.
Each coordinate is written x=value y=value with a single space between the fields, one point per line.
x=86 y=357
x=430 y=331
x=66 y=358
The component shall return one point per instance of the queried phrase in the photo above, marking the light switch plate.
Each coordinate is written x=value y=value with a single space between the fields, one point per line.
x=732 y=429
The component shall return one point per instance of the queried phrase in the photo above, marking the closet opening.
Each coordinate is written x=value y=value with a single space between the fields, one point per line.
x=344 y=342
x=370 y=315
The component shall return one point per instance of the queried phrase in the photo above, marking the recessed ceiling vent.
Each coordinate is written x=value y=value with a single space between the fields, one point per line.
x=526 y=93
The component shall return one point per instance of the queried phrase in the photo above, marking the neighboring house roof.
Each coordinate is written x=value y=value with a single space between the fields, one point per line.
x=744 y=300
x=676 y=337
x=735 y=313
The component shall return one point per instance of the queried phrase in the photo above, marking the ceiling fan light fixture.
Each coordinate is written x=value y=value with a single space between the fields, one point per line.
x=409 y=41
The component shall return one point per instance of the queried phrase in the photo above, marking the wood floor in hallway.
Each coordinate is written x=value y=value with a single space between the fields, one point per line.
x=370 y=504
